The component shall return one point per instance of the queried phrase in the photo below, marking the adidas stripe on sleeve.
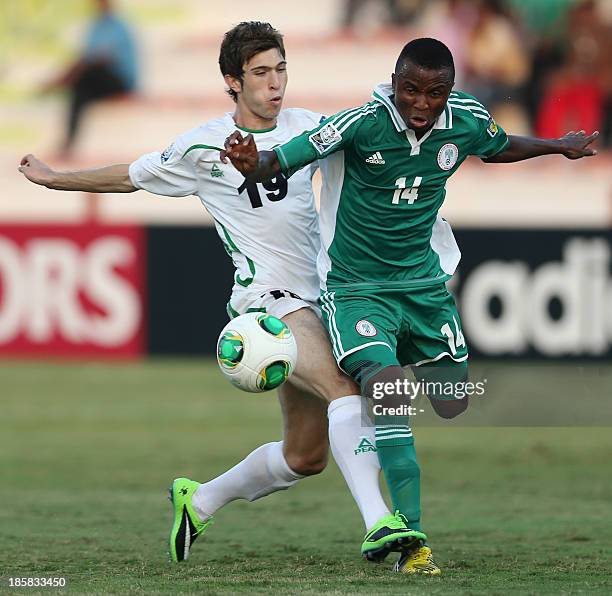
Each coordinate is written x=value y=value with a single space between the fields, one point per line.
x=491 y=138
x=332 y=135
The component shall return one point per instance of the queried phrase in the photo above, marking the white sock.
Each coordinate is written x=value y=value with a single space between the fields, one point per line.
x=260 y=473
x=352 y=442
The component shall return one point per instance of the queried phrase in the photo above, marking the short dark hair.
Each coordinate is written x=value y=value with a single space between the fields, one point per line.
x=427 y=53
x=243 y=42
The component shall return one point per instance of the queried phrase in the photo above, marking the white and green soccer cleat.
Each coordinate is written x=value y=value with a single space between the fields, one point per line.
x=389 y=534
x=187 y=525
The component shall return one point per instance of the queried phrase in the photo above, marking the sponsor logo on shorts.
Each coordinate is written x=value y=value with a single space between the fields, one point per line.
x=326 y=137
x=167 y=154
x=492 y=128
x=365 y=328
x=447 y=156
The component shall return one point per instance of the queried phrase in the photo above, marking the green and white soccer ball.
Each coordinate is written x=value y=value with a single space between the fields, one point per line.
x=256 y=352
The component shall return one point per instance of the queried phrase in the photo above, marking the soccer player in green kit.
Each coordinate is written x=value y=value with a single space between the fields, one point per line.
x=386 y=253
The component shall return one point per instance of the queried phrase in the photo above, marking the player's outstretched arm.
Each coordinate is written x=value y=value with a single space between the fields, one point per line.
x=255 y=166
x=108 y=179
x=573 y=145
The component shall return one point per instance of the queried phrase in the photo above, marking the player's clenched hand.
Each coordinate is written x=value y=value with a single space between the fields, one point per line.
x=575 y=145
x=242 y=152
x=36 y=171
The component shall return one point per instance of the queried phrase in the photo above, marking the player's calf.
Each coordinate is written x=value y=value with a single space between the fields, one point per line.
x=305 y=443
x=307 y=464
x=394 y=441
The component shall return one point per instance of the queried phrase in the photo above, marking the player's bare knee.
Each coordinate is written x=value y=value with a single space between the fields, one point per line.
x=307 y=464
x=449 y=408
x=437 y=378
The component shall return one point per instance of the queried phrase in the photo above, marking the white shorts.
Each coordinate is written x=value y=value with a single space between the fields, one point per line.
x=276 y=302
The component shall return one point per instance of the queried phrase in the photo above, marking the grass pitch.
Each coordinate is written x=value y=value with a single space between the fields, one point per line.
x=87 y=452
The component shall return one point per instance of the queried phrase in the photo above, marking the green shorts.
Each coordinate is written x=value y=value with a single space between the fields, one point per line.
x=390 y=326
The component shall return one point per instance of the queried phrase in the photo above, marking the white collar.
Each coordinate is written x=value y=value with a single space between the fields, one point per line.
x=383 y=93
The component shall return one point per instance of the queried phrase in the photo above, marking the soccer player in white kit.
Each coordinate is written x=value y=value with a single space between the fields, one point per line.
x=270 y=230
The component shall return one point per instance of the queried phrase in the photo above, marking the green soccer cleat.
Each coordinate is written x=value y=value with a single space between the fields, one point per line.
x=187 y=525
x=389 y=534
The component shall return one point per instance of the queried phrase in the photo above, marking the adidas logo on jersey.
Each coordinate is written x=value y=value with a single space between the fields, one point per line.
x=376 y=158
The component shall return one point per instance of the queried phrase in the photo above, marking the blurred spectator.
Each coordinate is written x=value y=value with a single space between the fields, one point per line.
x=578 y=94
x=497 y=62
x=399 y=13
x=106 y=66
x=542 y=18
x=545 y=23
x=451 y=22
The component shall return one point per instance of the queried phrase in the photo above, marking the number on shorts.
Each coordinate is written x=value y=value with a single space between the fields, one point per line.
x=455 y=340
x=278 y=294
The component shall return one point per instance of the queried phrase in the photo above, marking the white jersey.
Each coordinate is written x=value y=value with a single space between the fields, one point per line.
x=269 y=229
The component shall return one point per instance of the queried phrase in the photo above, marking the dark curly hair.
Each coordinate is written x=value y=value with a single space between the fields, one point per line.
x=243 y=42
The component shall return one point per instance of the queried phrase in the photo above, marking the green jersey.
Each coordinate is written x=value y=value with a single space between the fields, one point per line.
x=383 y=188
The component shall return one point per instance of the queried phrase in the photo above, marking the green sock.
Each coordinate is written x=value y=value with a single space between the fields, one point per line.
x=398 y=461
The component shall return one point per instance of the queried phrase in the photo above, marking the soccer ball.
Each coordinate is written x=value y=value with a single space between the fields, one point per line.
x=256 y=352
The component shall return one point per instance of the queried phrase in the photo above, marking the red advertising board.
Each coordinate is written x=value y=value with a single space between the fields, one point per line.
x=72 y=291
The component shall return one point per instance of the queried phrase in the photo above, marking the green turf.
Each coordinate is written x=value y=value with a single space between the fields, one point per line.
x=87 y=452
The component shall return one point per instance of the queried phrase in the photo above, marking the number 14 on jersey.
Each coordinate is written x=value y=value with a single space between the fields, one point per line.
x=411 y=194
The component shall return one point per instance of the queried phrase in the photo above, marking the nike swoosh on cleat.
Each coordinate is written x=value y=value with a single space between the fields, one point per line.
x=382 y=532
